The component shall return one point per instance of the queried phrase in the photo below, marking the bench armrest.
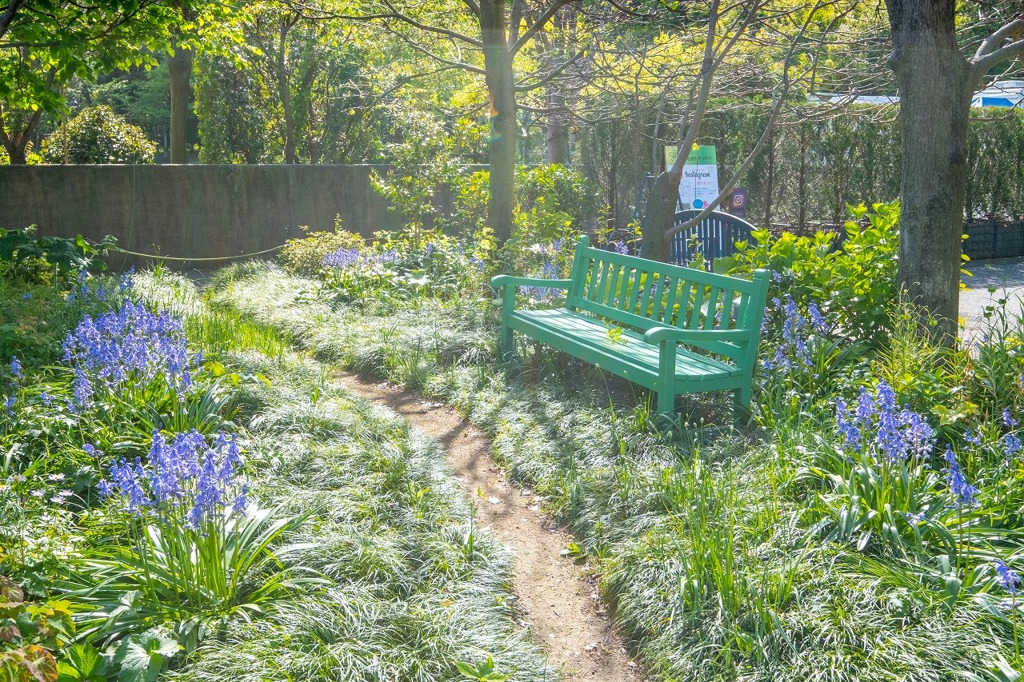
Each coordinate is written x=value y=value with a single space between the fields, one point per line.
x=659 y=334
x=511 y=280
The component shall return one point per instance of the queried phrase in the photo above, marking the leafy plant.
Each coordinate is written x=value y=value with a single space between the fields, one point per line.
x=22 y=255
x=30 y=633
x=853 y=284
x=98 y=135
x=305 y=256
x=484 y=671
x=197 y=547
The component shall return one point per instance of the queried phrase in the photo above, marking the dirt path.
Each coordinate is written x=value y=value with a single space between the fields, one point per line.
x=555 y=599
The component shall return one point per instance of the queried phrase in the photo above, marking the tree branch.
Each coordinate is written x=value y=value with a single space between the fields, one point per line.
x=473 y=7
x=441 y=60
x=765 y=135
x=543 y=19
x=518 y=9
x=990 y=54
x=551 y=76
x=455 y=35
x=688 y=127
x=7 y=18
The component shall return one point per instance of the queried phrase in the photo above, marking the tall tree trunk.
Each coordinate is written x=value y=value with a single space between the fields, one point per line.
x=934 y=83
x=180 y=67
x=556 y=147
x=660 y=214
x=284 y=92
x=556 y=140
x=500 y=89
x=16 y=142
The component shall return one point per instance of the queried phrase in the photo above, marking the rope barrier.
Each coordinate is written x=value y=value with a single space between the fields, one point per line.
x=213 y=258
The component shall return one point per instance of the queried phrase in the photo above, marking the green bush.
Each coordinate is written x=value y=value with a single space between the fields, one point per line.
x=853 y=285
x=98 y=135
x=305 y=256
x=43 y=259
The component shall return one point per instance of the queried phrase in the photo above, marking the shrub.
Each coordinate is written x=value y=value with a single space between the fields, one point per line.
x=409 y=266
x=40 y=259
x=853 y=285
x=305 y=256
x=98 y=135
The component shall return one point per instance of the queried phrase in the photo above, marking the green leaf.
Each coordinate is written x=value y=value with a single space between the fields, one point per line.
x=143 y=657
x=82 y=663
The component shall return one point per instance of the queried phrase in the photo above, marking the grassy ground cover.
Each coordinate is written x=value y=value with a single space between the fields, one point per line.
x=836 y=539
x=230 y=516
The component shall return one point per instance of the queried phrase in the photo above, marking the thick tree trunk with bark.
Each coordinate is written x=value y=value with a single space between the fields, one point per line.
x=935 y=91
x=16 y=143
x=556 y=147
x=660 y=215
x=180 y=67
x=500 y=89
x=284 y=92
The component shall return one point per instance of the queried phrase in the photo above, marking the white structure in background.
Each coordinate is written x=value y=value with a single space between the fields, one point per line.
x=1008 y=94
x=1001 y=94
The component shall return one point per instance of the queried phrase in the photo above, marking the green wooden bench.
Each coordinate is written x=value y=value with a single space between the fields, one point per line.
x=668 y=328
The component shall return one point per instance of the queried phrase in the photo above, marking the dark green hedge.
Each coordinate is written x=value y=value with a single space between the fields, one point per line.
x=813 y=168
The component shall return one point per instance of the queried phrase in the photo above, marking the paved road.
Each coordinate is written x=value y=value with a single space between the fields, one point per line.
x=993 y=280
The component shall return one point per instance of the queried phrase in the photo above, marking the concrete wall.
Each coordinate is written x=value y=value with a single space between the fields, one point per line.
x=192 y=211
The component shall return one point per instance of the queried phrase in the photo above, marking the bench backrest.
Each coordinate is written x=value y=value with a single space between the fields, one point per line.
x=642 y=294
x=715 y=236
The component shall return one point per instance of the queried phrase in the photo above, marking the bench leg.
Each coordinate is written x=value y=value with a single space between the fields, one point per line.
x=741 y=405
x=507 y=344
x=667 y=402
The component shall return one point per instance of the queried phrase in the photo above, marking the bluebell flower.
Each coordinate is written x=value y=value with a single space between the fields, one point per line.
x=184 y=473
x=972 y=437
x=965 y=493
x=1007 y=577
x=817 y=320
x=46 y=398
x=127 y=281
x=16 y=368
x=847 y=428
x=898 y=434
x=26 y=296
x=1011 y=445
x=342 y=259
x=128 y=346
x=914 y=518
x=1008 y=419
x=9 y=403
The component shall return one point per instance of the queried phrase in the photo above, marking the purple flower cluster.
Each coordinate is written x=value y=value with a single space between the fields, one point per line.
x=797 y=330
x=183 y=474
x=965 y=493
x=550 y=269
x=1007 y=577
x=342 y=259
x=898 y=434
x=130 y=345
x=345 y=259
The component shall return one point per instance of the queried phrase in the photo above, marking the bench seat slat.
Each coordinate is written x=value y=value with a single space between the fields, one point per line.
x=576 y=330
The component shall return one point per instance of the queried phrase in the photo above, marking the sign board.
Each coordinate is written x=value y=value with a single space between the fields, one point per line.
x=738 y=203
x=699 y=184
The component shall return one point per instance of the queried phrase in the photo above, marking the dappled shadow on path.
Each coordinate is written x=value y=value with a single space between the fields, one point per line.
x=555 y=598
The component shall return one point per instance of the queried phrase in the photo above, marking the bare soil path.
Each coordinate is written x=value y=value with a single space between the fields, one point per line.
x=555 y=598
